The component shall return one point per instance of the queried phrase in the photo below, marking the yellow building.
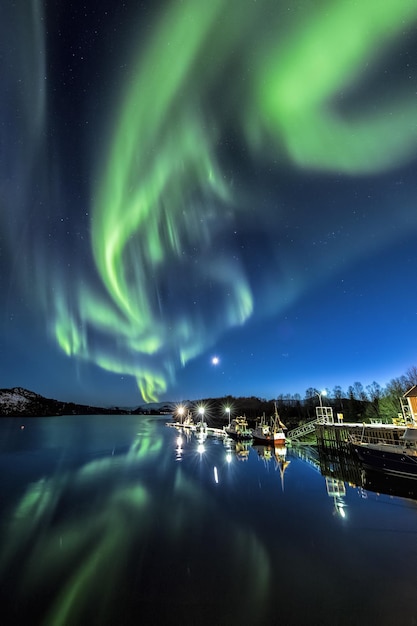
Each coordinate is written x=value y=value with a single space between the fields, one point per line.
x=410 y=403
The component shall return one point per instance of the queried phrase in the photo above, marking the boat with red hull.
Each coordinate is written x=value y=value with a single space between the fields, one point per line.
x=272 y=433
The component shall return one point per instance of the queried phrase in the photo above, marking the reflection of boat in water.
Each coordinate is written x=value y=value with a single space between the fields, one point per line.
x=272 y=433
x=239 y=429
x=264 y=452
x=281 y=461
x=239 y=448
x=242 y=450
x=346 y=467
x=380 y=482
x=276 y=453
x=395 y=459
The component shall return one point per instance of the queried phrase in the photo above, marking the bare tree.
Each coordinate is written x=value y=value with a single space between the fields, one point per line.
x=411 y=375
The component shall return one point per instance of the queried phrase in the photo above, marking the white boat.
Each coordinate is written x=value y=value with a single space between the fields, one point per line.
x=272 y=433
x=238 y=429
x=396 y=459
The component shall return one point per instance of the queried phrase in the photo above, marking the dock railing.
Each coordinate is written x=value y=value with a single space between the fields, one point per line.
x=324 y=416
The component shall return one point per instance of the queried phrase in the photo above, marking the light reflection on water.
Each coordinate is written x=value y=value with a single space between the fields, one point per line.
x=121 y=520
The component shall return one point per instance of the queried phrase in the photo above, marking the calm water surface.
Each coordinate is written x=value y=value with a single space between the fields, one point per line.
x=108 y=520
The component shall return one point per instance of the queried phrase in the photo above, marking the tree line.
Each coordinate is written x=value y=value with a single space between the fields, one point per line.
x=356 y=404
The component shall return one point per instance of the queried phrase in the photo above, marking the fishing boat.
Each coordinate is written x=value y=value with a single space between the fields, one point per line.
x=238 y=429
x=269 y=434
x=262 y=433
x=393 y=458
x=272 y=433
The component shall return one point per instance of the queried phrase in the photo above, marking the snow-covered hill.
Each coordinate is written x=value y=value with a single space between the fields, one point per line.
x=22 y=402
x=16 y=400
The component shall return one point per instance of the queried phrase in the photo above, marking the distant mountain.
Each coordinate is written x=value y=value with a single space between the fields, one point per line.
x=154 y=408
x=25 y=403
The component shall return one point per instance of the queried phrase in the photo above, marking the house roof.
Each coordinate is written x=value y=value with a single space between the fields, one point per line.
x=411 y=393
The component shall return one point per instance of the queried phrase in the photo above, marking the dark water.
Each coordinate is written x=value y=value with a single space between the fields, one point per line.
x=106 y=520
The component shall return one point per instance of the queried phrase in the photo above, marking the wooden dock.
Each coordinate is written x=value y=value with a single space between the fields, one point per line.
x=337 y=436
x=209 y=430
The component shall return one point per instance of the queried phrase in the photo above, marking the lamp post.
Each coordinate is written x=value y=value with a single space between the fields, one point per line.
x=227 y=409
x=320 y=412
x=322 y=393
x=201 y=412
x=180 y=411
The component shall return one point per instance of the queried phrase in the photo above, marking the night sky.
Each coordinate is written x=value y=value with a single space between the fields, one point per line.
x=183 y=180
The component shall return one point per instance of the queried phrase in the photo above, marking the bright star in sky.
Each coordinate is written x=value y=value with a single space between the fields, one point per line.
x=215 y=360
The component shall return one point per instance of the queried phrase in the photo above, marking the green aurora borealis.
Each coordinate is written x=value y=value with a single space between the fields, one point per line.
x=161 y=195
